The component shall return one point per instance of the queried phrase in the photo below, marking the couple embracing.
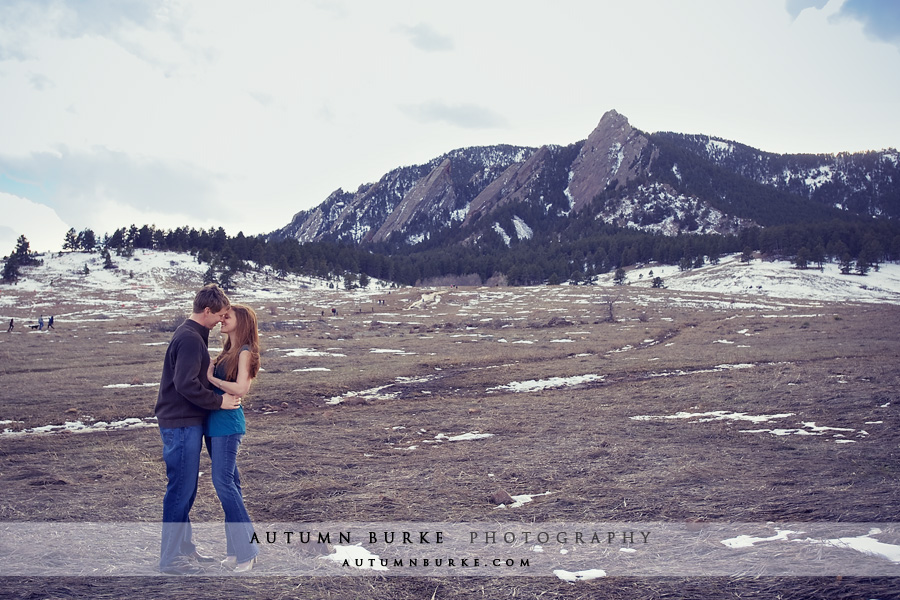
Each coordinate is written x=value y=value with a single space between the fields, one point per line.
x=200 y=399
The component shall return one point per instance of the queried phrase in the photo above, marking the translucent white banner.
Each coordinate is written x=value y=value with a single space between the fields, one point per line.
x=570 y=551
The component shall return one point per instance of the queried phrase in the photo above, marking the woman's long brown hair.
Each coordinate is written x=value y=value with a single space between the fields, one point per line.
x=246 y=333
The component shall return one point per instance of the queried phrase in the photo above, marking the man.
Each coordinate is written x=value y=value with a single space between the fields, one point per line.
x=185 y=399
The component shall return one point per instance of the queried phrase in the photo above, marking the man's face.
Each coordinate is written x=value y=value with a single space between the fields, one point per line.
x=211 y=319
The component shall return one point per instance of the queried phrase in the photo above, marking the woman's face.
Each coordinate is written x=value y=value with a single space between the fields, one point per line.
x=230 y=322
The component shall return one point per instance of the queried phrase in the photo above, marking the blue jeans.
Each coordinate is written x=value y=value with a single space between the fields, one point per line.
x=223 y=452
x=181 y=453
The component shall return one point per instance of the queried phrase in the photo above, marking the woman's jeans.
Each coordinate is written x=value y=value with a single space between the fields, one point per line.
x=223 y=452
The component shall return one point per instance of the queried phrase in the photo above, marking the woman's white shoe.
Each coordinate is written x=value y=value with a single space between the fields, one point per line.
x=245 y=566
x=230 y=562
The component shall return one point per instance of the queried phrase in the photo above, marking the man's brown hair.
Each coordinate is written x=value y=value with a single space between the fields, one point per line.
x=212 y=297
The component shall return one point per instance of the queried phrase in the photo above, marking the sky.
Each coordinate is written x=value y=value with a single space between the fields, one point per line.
x=238 y=114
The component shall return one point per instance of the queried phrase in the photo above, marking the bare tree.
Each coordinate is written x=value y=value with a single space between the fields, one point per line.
x=610 y=302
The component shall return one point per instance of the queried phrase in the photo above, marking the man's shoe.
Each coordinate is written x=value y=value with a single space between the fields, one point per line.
x=202 y=557
x=181 y=566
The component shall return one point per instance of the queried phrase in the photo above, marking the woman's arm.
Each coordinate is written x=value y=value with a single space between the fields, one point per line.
x=242 y=385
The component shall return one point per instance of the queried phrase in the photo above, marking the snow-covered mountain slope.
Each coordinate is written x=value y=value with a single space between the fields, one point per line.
x=773 y=279
x=664 y=182
x=865 y=183
x=149 y=283
x=162 y=284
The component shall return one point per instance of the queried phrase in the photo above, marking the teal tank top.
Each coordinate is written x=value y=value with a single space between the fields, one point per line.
x=225 y=422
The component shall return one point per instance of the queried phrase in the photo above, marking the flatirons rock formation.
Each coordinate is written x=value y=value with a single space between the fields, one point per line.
x=665 y=182
x=610 y=158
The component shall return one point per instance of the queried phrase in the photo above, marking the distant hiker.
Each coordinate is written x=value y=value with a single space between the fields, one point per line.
x=50 y=323
x=41 y=323
x=10 y=326
x=183 y=404
x=233 y=371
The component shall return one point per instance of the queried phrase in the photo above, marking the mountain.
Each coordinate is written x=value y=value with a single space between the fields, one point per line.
x=619 y=176
x=415 y=199
x=863 y=183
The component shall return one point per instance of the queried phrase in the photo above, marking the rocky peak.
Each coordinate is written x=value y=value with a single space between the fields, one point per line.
x=665 y=182
x=609 y=157
x=428 y=195
x=512 y=185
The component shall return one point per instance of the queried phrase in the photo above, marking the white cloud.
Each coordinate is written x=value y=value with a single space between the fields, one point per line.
x=880 y=18
x=469 y=116
x=73 y=182
x=424 y=37
x=40 y=225
x=795 y=7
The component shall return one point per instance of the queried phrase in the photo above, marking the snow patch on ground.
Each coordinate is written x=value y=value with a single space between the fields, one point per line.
x=463 y=437
x=522 y=499
x=307 y=352
x=716 y=415
x=356 y=556
x=523 y=231
x=760 y=279
x=537 y=385
x=81 y=427
x=807 y=428
x=866 y=544
x=502 y=233
x=575 y=576
x=131 y=385
x=148 y=283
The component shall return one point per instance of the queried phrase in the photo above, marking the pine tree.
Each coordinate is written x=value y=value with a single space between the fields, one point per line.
x=116 y=240
x=226 y=280
x=846 y=263
x=20 y=257
x=71 y=241
x=23 y=253
x=818 y=256
x=107 y=260
x=87 y=241
x=210 y=275
x=10 y=270
x=802 y=258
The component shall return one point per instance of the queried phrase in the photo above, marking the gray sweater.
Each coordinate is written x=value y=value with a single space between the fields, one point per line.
x=185 y=397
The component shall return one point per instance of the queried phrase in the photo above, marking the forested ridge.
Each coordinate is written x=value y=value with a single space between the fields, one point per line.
x=567 y=249
x=731 y=192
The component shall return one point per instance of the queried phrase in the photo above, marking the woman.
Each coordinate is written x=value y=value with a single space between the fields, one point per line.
x=232 y=372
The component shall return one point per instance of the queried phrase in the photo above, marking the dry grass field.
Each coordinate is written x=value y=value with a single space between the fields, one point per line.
x=350 y=418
